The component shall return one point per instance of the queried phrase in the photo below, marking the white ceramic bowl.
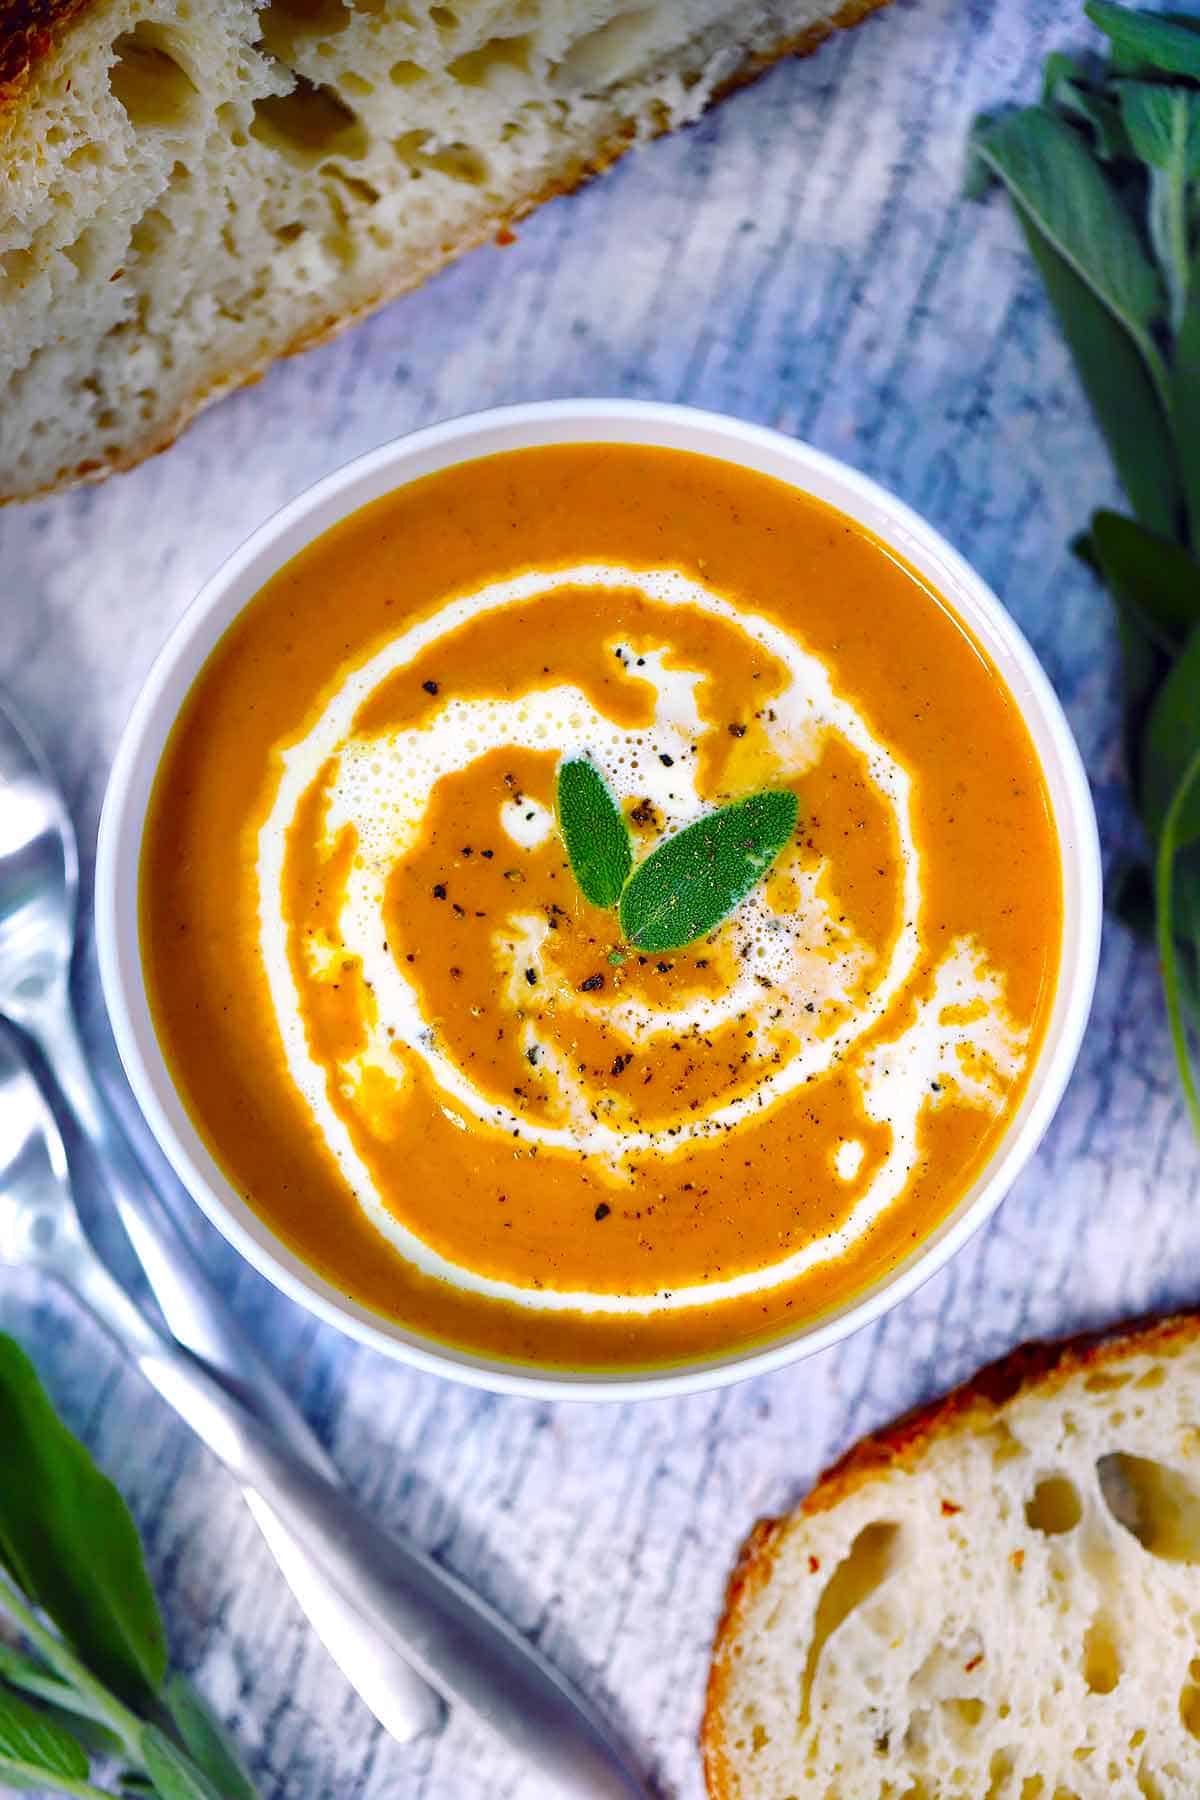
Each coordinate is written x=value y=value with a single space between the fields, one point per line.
x=460 y=440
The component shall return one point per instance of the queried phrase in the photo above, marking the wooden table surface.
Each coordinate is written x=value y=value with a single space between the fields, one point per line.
x=801 y=258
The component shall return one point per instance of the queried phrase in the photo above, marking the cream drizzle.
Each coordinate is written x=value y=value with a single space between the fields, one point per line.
x=381 y=786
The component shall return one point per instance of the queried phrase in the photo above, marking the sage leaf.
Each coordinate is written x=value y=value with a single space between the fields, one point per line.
x=1186 y=903
x=174 y=1774
x=1139 y=362
x=1049 y=171
x=57 y=1700
x=979 y=178
x=1117 y=383
x=1185 y=403
x=1150 y=572
x=68 y=1541
x=1059 y=71
x=1081 y=545
x=1171 y=741
x=1148 y=39
x=1162 y=124
x=1141 y=671
x=692 y=881
x=25 y=1671
x=1183 y=802
x=1162 y=127
x=209 y=1743
x=1064 y=85
x=594 y=831
x=28 y=1738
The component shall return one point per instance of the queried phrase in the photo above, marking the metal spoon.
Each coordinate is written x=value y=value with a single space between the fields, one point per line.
x=38 y=903
x=455 y=1640
x=38 y=886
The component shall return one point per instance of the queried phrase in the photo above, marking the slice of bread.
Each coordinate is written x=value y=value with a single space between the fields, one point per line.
x=191 y=188
x=996 y=1599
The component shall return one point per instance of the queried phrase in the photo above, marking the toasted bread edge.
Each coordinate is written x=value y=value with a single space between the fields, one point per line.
x=1040 y=1366
x=207 y=391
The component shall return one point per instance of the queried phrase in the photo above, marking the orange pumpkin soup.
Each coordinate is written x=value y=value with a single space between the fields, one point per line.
x=455 y=1086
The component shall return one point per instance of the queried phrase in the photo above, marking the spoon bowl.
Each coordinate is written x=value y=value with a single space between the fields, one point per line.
x=39 y=886
x=406 y=1633
x=35 y=1204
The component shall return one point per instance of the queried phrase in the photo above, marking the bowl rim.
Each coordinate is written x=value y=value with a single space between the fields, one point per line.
x=462 y=439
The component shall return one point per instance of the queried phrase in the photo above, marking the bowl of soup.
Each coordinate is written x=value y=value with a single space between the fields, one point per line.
x=597 y=898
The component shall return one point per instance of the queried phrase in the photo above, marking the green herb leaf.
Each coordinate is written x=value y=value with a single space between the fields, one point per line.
x=1141 y=373
x=1171 y=740
x=1162 y=123
x=1155 y=575
x=68 y=1541
x=28 y=1738
x=1117 y=383
x=57 y=1700
x=979 y=178
x=1183 y=801
x=1058 y=71
x=1146 y=38
x=594 y=832
x=1103 y=288
x=1065 y=86
x=1048 y=169
x=174 y=1774
x=209 y=1743
x=1142 y=668
x=1081 y=545
x=1186 y=903
x=25 y=1671
x=693 y=880
x=1185 y=403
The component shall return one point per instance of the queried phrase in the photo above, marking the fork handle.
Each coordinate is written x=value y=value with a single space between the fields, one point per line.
x=404 y=1704
x=414 y=1606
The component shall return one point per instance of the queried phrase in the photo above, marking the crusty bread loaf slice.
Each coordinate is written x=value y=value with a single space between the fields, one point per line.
x=996 y=1599
x=191 y=188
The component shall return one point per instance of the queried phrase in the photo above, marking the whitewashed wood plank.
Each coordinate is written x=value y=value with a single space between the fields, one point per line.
x=800 y=258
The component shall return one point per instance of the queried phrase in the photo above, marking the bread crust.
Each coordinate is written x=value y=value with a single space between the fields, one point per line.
x=1040 y=1367
x=28 y=29
x=496 y=227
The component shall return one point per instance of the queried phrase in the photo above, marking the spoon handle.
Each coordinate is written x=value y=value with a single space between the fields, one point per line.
x=400 y=1699
x=414 y=1606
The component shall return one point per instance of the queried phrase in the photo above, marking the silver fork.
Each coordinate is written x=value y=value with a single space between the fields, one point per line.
x=38 y=904
x=410 y=1603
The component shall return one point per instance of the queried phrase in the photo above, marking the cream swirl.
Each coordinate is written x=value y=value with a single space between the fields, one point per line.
x=815 y=996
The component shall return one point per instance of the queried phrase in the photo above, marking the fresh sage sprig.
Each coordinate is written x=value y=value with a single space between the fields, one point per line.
x=594 y=832
x=96 y=1688
x=690 y=882
x=1104 y=177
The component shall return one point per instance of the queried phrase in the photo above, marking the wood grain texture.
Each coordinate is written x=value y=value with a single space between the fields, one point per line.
x=800 y=258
